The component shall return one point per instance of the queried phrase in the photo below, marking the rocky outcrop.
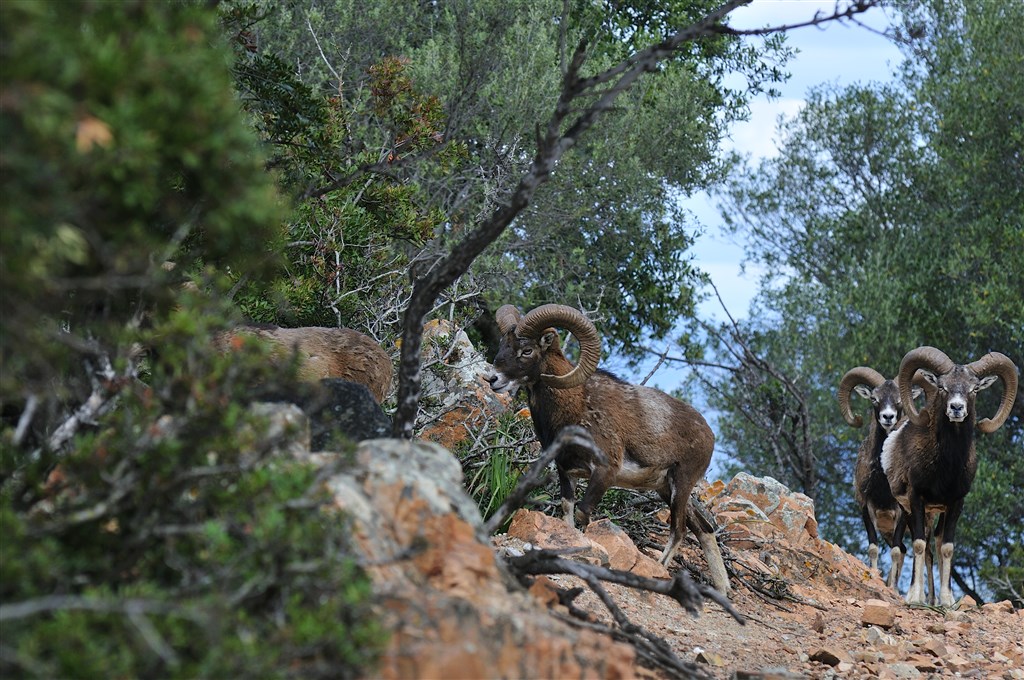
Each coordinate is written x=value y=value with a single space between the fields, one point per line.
x=451 y=610
x=455 y=388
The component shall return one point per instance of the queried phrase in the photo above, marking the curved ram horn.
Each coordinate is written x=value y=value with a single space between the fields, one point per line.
x=995 y=363
x=856 y=376
x=930 y=359
x=561 y=316
x=507 y=317
x=929 y=389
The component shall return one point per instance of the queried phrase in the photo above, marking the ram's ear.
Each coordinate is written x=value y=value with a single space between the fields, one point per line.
x=986 y=382
x=863 y=391
x=547 y=339
x=916 y=392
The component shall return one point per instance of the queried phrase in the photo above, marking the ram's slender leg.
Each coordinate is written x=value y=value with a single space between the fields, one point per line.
x=944 y=548
x=567 y=486
x=709 y=544
x=678 y=516
x=917 y=520
x=601 y=479
x=868 y=516
x=898 y=551
x=933 y=545
x=676 y=493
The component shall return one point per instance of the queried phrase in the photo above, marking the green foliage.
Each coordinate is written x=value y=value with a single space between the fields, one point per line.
x=114 y=172
x=495 y=459
x=898 y=215
x=603 y=232
x=160 y=536
x=352 y=158
x=176 y=543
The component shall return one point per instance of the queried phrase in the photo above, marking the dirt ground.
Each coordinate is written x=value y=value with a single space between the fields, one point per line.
x=811 y=609
x=820 y=633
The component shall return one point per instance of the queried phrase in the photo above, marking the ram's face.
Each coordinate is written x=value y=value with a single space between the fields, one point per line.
x=520 y=361
x=958 y=390
x=885 y=399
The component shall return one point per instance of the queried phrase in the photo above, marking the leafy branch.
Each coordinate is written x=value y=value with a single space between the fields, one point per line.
x=563 y=129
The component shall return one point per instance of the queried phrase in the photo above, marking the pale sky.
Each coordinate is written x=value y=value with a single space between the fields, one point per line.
x=836 y=53
x=843 y=54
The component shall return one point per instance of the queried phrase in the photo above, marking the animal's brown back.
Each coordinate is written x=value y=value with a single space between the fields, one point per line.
x=328 y=353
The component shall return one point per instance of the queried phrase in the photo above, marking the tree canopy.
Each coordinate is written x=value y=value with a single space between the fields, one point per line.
x=893 y=217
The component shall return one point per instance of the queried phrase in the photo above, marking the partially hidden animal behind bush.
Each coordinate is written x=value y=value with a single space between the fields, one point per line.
x=879 y=510
x=930 y=458
x=323 y=352
x=651 y=440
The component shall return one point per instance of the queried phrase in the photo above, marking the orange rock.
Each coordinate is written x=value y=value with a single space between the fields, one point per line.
x=622 y=552
x=555 y=534
x=878 y=613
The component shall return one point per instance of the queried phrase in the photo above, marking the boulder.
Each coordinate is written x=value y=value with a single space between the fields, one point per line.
x=552 y=533
x=342 y=411
x=447 y=604
x=790 y=512
x=455 y=387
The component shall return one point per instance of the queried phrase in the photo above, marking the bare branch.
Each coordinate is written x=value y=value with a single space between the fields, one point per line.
x=323 y=56
x=31 y=404
x=52 y=603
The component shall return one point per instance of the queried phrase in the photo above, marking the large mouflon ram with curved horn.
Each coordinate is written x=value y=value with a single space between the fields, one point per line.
x=879 y=509
x=930 y=460
x=651 y=440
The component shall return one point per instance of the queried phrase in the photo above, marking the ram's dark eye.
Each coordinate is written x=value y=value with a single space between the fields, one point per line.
x=526 y=352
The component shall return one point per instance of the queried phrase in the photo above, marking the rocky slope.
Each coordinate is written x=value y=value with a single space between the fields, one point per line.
x=454 y=609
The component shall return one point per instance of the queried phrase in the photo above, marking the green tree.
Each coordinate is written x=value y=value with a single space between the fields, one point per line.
x=148 y=529
x=602 y=232
x=897 y=215
x=110 y=174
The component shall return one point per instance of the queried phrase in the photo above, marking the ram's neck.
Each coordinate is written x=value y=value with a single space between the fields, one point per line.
x=552 y=409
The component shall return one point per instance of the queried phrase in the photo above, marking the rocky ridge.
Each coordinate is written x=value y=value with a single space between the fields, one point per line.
x=454 y=610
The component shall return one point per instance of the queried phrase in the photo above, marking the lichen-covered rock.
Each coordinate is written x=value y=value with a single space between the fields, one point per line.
x=455 y=386
x=791 y=512
x=761 y=513
x=448 y=605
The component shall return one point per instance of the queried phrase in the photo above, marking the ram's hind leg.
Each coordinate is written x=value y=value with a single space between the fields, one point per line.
x=567 y=487
x=682 y=516
x=712 y=553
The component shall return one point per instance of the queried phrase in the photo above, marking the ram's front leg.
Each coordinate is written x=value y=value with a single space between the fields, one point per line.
x=601 y=479
x=567 y=487
x=917 y=523
x=944 y=548
x=867 y=514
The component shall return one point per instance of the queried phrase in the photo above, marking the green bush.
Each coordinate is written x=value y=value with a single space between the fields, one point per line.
x=123 y=147
x=170 y=541
x=163 y=537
